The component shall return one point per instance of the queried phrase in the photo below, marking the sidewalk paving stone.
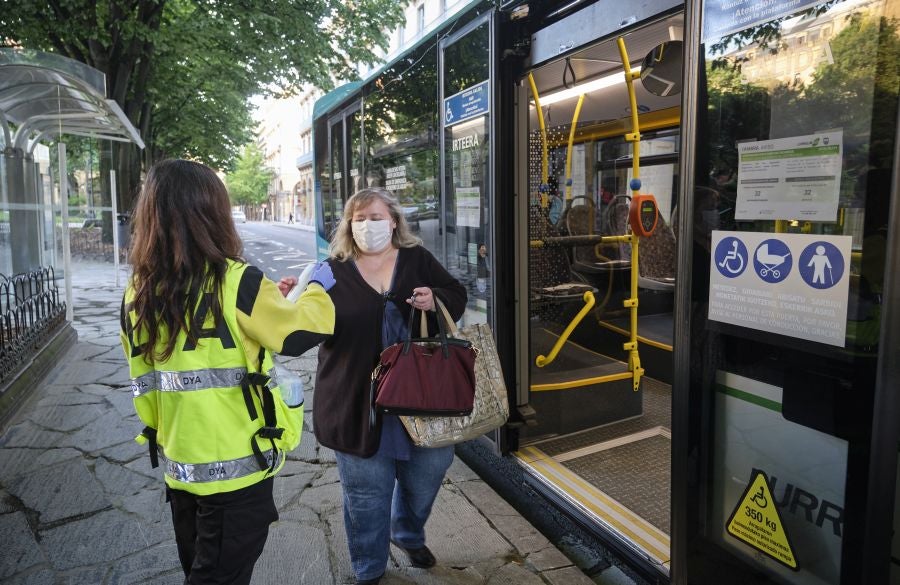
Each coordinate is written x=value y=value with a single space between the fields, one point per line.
x=80 y=504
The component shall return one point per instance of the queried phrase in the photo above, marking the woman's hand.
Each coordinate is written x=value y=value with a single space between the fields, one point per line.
x=286 y=284
x=422 y=298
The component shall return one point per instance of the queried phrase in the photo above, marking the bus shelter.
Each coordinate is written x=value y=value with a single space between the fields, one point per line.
x=44 y=98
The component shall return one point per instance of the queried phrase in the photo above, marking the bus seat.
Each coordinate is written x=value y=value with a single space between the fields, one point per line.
x=657 y=258
x=580 y=221
x=656 y=264
x=552 y=278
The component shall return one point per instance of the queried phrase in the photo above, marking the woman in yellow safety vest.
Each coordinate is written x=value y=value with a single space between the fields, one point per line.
x=198 y=326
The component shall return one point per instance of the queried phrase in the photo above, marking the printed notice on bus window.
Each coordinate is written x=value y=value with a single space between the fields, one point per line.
x=724 y=17
x=790 y=178
x=790 y=284
x=468 y=206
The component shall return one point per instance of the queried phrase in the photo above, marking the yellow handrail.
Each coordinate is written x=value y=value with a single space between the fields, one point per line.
x=634 y=358
x=569 y=149
x=579 y=240
x=545 y=171
x=631 y=346
x=589 y=301
x=634 y=137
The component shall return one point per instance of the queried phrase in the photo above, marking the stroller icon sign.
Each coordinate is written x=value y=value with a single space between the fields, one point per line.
x=772 y=260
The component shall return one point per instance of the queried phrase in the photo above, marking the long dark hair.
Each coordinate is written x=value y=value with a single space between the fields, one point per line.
x=183 y=237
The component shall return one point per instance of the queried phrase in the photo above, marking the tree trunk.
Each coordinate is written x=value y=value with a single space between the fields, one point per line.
x=128 y=174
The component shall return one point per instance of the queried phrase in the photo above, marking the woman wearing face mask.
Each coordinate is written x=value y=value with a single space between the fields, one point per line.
x=389 y=485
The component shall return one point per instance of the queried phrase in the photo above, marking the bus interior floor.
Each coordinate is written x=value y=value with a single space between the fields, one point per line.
x=628 y=460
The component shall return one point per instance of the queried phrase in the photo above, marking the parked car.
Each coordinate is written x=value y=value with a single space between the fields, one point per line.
x=429 y=209
x=411 y=213
x=238 y=216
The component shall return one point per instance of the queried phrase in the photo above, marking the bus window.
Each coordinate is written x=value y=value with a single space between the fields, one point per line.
x=401 y=146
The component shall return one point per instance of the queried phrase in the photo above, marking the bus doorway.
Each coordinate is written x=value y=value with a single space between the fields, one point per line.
x=599 y=437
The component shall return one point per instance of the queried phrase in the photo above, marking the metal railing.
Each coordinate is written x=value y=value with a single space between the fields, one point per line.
x=30 y=310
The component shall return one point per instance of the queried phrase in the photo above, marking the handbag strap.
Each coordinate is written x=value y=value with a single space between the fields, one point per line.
x=442 y=331
x=451 y=324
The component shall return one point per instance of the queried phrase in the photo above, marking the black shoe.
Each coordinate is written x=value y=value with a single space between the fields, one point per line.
x=374 y=581
x=418 y=557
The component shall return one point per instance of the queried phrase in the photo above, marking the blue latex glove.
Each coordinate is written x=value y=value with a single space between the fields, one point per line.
x=323 y=275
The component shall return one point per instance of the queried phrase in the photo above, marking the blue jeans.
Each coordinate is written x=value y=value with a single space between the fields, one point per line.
x=388 y=499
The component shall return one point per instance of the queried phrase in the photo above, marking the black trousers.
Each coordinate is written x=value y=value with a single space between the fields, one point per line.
x=220 y=537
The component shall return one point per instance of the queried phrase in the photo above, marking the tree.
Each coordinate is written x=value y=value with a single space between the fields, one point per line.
x=182 y=70
x=248 y=184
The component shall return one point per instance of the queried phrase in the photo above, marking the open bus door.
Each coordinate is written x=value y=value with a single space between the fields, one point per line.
x=596 y=291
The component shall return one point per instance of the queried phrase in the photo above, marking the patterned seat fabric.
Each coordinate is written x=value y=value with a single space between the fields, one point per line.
x=657 y=253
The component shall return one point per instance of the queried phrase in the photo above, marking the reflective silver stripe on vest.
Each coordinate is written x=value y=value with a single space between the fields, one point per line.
x=273 y=378
x=217 y=470
x=187 y=380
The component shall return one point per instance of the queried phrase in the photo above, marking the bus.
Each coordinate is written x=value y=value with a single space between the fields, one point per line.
x=714 y=392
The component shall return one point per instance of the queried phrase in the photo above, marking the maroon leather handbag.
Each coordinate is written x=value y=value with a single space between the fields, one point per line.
x=425 y=376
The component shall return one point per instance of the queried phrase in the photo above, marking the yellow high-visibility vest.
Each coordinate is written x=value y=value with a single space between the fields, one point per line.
x=207 y=406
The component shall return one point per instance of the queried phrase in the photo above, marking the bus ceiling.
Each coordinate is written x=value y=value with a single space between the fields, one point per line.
x=595 y=71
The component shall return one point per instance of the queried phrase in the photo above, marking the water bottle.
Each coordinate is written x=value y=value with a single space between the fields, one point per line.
x=302 y=282
x=291 y=389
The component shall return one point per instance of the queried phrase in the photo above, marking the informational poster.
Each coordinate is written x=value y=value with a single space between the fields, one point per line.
x=395 y=178
x=468 y=206
x=656 y=180
x=579 y=186
x=473 y=254
x=722 y=17
x=790 y=178
x=790 y=284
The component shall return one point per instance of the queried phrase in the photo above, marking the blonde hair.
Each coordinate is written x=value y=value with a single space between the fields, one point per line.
x=343 y=247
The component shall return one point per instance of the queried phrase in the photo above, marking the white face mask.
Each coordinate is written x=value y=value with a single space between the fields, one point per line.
x=370 y=235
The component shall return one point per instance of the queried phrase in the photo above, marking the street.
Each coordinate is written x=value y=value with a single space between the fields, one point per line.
x=277 y=249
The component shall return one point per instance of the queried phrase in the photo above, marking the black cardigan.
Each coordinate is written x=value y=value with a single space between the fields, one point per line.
x=347 y=358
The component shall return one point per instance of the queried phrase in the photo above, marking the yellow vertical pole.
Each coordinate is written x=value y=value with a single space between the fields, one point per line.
x=544 y=155
x=634 y=137
x=569 y=149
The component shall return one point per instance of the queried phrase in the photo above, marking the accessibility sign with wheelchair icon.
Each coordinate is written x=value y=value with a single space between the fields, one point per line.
x=756 y=521
x=731 y=257
x=790 y=284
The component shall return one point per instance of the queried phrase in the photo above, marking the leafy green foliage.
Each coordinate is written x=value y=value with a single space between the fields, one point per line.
x=247 y=184
x=856 y=91
x=183 y=70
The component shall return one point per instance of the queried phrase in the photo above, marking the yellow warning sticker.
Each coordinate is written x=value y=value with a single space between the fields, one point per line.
x=757 y=521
